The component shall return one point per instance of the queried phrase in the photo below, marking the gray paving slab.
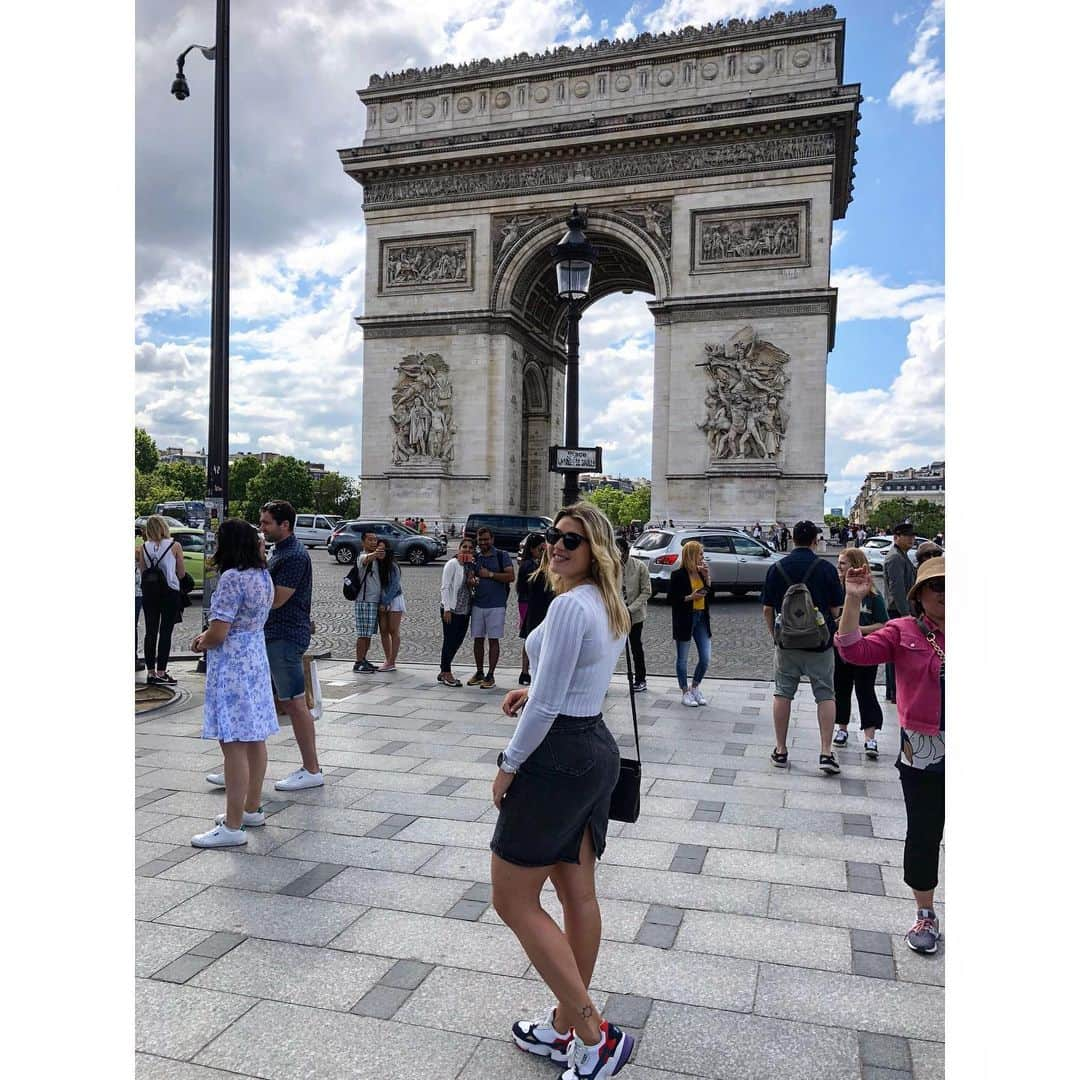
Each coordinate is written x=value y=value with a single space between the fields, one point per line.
x=711 y=1043
x=147 y=821
x=851 y=1001
x=448 y=997
x=302 y=920
x=407 y=974
x=180 y=830
x=372 y=852
x=927 y=1059
x=238 y=869
x=182 y=968
x=218 y=944
x=884 y=1051
x=465 y=864
x=767 y=866
x=157 y=945
x=300 y=974
x=151 y=1067
x=871 y=941
x=178 y=1021
x=681 y=789
x=755 y=938
x=394 y=891
x=311 y=880
x=423 y=805
x=282 y=1042
x=674 y=975
x=831 y=908
x=818 y=845
x=747 y=837
x=154 y=896
x=682 y=890
x=328 y=819
x=498 y=1057
x=781 y=817
x=381 y=1002
x=873 y=965
x=405 y=935
x=914 y=967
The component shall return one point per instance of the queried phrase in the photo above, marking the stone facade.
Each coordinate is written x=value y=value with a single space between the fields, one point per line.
x=712 y=164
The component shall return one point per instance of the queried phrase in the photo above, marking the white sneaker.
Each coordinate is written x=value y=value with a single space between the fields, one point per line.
x=220 y=836
x=297 y=781
x=689 y=700
x=216 y=778
x=252 y=819
x=540 y=1037
x=603 y=1060
x=699 y=697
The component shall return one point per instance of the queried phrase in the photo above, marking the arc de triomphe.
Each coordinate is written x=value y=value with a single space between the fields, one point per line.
x=712 y=163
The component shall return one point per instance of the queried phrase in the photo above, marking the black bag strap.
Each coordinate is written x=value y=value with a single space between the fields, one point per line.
x=633 y=704
x=157 y=561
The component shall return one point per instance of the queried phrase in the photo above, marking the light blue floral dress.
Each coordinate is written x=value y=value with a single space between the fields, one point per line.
x=239 y=703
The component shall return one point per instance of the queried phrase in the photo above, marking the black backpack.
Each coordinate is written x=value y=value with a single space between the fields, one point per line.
x=155 y=586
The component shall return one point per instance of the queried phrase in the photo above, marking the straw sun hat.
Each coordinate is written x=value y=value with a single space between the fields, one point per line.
x=932 y=568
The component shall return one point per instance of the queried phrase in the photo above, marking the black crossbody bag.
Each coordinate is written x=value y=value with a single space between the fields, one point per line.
x=626 y=798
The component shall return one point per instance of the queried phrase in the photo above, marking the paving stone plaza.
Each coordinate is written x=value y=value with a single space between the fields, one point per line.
x=753 y=918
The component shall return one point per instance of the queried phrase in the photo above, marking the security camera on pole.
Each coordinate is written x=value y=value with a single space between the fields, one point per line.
x=574 y=258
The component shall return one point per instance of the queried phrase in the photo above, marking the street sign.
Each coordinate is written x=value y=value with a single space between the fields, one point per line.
x=575 y=459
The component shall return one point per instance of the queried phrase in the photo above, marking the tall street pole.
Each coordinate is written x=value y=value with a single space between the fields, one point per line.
x=570 y=484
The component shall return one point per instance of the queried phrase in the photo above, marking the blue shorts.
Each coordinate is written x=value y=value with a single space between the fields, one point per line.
x=286 y=669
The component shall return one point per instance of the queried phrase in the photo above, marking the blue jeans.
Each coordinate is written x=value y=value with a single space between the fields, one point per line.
x=701 y=639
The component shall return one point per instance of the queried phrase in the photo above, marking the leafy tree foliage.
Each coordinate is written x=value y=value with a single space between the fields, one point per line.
x=622 y=507
x=241 y=472
x=190 y=480
x=146 y=452
x=282 y=478
x=337 y=494
x=152 y=488
x=928 y=518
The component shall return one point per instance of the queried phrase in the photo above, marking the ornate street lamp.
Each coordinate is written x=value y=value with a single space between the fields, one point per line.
x=574 y=257
x=217 y=457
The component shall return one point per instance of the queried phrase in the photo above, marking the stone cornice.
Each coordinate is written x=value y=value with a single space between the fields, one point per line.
x=457 y=324
x=642 y=46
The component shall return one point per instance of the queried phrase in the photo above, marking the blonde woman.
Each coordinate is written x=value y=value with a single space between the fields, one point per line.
x=161 y=566
x=688 y=592
x=848 y=677
x=553 y=791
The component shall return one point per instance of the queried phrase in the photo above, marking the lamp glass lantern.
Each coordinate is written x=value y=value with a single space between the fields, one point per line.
x=574 y=260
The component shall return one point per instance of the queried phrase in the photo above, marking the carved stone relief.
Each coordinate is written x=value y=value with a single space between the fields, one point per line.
x=654 y=218
x=426 y=264
x=685 y=161
x=750 y=238
x=423 y=410
x=744 y=414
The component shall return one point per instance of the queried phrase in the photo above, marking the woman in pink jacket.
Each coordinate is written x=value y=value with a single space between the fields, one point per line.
x=916 y=646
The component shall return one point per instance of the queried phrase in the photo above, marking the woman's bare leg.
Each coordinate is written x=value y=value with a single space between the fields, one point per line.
x=256 y=757
x=236 y=782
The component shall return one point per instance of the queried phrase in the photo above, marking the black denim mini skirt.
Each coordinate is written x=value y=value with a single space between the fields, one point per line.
x=563 y=787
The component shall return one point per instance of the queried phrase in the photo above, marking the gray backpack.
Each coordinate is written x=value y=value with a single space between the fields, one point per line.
x=801 y=625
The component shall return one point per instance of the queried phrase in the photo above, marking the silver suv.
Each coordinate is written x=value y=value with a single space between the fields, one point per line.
x=407 y=544
x=737 y=563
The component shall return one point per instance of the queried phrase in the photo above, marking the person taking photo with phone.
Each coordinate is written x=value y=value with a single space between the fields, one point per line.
x=688 y=592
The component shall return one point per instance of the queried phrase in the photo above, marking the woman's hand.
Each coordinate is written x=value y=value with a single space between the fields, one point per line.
x=499 y=786
x=857 y=582
x=703 y=570
x=383 y=607
x=447 y=616
x=197 y=645
x=513 y=701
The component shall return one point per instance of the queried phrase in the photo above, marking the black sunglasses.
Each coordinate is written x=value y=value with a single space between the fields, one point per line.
x=570 y=540
x=936 y=585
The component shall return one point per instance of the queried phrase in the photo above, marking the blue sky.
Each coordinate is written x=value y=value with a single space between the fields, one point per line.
x=298 y=238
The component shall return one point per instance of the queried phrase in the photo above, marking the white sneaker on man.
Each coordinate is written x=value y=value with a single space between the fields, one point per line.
x=297 y=781
x=689 y=700
x=216 y=778
x=699 y=697
x=252 y=819
x=220 y=836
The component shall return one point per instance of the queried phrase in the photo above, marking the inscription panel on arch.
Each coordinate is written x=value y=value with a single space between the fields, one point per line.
x=426 y=264
x=751 y=238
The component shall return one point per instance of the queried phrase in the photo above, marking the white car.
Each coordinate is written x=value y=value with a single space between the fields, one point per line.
x=315 y=530
x=877 y=547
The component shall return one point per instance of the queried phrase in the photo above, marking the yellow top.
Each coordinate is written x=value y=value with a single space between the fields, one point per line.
x=695 y=584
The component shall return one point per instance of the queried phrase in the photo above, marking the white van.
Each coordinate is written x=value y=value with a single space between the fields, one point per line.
x=313 y=530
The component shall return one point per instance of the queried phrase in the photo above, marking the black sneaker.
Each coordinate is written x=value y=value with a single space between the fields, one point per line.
x=524 y=679
x=778 y=759
x=363 y=667
x=640 y=686
x=165 y=680
x=840 y=738
x=828 y=764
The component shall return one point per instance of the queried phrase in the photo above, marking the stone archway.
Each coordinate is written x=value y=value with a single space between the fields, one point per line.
x=712 y=163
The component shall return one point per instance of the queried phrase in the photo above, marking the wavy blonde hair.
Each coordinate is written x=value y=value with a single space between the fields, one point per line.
x=691 y=552
x=605 y=569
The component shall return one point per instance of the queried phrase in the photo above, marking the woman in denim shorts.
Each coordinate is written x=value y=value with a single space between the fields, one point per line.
x=553 y=792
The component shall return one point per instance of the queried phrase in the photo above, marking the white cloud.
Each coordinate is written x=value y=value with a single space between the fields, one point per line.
x=922 y=86
x=838 y=235
x=863 y=295
x=674 y=14
x=895 y=427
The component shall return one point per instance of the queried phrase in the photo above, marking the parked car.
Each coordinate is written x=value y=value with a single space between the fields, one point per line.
x=407 y=544
x=508 y=530
x=315 y=530
x=192 y=541
x=877 y=547
x=737 y=563
x=190 y=512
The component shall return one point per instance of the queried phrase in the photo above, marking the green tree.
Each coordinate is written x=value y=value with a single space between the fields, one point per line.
x=835 y=519
x=150 y=489
x=928 y=518
x=336 y=494
x=241 y=472
x=282 y=478
x=612 y=502
x=889 y=512
x=638 y=505
x=190 y=480
x=146 y=452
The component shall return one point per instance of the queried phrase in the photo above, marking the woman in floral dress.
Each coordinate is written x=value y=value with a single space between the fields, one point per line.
x=239 y=707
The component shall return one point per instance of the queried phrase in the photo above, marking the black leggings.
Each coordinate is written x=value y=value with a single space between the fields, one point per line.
x=160 y=620
x=924 y=797
x=862 y=679
x=453 y=634
x=637 y=651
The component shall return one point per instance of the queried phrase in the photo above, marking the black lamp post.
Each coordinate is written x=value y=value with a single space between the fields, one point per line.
x=574 y=258
x=217 y=457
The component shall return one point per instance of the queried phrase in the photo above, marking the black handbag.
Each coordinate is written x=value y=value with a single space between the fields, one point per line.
x=626 y=798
